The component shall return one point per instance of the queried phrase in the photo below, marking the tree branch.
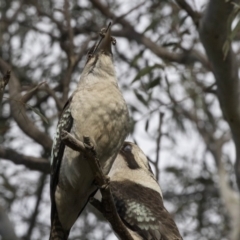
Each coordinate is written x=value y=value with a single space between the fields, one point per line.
x=29 y=94
x=193 y=14
x=51 y=92
x=33 y=163
x=214 y=30
x=19 y=113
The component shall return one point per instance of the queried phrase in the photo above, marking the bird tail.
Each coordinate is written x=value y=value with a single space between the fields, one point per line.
x=57 y=231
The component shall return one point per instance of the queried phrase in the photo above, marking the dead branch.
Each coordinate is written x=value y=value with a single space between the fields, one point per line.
x=33 y=163
x=51 y=92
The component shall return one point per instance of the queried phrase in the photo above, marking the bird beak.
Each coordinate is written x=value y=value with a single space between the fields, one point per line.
x=105 y=44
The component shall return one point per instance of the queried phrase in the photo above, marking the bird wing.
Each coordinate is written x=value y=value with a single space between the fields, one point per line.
x=143 y=213
x=65 y=123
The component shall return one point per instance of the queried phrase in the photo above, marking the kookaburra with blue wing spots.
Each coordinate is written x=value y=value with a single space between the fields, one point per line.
x=138 y=197
x=96 y=110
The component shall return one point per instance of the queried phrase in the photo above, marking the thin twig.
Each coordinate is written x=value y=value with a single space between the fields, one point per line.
x=129 y=12
x=29 y=94
x=51 y=92
x=33 y=218
x=193 y=14
x=67 y=16
x=156 y=163
x=102 y=181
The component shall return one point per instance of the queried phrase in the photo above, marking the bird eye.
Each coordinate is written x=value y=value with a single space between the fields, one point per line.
x=127 y=148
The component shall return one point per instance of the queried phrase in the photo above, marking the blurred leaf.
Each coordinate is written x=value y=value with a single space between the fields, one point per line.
x=146 y=71
x=152 y=25
x=133 y=108
x=140 y=98
x=182 y=20
x=176 y=171
x=231 y=33
x=36 y=110
x=136 y=57
x=155 y=82
x=146 y=125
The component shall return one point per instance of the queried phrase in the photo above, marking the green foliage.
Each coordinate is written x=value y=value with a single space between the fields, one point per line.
x=147 y=70
x=232 y=32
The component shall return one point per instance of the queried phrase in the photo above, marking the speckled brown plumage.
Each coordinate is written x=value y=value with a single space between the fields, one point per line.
x=157 y=222
x=138 y=197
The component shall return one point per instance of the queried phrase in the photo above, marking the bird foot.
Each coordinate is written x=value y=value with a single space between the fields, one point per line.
x=89 y=145
x=107 y=182
x=102 y=182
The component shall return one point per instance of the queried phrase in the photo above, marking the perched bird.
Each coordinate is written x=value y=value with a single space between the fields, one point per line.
x=138 y=197
x=97 y=110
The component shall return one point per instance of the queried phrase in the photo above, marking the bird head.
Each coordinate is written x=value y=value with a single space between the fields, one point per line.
x=99 y=61
x=134 y=157
x=132 y=164
x=103 y=44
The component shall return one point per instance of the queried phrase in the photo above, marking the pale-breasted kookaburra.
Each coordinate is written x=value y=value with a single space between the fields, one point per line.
x=96 y=110
x=138 y=197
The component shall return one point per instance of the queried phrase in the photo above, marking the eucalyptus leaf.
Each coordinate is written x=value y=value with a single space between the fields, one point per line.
x=146 y=71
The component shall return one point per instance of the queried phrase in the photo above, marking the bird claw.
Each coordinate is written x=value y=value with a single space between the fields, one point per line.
x=107 y=182
x=99 y=179
x=87 y=141
x=105 y=186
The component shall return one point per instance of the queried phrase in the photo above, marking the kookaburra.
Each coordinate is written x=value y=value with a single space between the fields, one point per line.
x=96 y=110
x=138 y=197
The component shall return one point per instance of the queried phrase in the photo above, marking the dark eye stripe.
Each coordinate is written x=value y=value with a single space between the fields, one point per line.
x=129 y=157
